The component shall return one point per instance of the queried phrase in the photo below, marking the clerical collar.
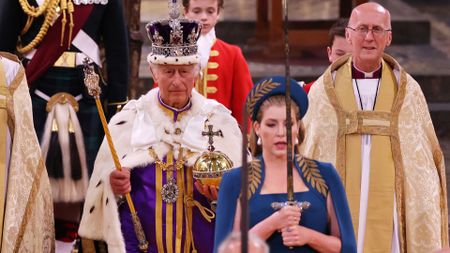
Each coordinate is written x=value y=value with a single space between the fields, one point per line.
x=172 y=111
x=359 y=74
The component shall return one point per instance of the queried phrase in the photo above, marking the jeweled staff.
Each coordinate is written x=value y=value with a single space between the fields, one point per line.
x=290 y=180
x=91 y=80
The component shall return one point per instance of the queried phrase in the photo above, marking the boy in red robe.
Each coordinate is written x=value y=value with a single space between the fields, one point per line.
x=225 y=76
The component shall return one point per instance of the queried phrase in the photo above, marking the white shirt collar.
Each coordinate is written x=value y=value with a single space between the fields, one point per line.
x=205 y=42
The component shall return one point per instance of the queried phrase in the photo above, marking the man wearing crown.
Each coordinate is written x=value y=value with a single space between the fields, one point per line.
x=225 y=75
x=158 y=139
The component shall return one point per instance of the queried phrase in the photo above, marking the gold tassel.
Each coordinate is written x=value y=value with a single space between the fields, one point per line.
x=63 y=7
x=71 y=9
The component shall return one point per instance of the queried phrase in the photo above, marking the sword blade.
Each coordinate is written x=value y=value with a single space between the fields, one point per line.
x=290 y=179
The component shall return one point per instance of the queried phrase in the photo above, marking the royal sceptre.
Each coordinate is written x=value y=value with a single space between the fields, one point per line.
x=290 y=180
x=91 y=80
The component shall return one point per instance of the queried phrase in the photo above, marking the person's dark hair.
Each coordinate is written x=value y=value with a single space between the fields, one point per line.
x=278 y=100
x=219 y=4
x=337 y=29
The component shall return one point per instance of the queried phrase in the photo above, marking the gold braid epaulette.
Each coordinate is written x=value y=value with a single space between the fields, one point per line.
x=49 y=7
x=32 y=10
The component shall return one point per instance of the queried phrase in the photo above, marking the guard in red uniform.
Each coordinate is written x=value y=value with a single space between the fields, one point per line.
x=225 y=75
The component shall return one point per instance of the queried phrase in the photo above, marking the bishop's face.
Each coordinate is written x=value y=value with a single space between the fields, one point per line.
x=175 y=83
x=368 y=46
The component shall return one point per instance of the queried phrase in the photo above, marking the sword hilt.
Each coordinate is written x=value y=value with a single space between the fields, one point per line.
x=303 y=205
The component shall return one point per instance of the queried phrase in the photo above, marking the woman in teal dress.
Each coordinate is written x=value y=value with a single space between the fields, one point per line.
x=326 y=225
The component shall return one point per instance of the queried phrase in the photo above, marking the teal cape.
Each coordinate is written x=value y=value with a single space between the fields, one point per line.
x=321 y=179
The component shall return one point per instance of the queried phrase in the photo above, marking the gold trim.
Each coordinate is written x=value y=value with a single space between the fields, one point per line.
x=62 y=98
x=30 y=204
x=368 y=122
x=340 y=116
x=3 y=93
x=169 y=208
x=200 y=84
x=158 y=209
x=214 y=53
x=398 y=160
x=211 y=77
x=212 y=65
x=12 y=87
x=17 y=80
x=66 y=60
x=179 y=209
x=188 y=210
x=211 y=90
x=376 y=122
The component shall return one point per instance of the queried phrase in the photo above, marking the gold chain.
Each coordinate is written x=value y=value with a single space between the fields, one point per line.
x=34 y=11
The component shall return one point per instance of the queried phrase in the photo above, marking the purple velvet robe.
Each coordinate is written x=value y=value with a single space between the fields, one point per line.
x=143 y=194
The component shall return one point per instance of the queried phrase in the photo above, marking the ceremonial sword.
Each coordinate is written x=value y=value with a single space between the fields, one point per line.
x=91 y=80
x=290 y=180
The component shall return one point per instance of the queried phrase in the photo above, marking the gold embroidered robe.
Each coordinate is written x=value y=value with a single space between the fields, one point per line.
x=420 y=186
x=28 y=212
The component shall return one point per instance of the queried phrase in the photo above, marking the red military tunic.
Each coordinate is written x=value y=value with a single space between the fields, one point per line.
x=226 y=78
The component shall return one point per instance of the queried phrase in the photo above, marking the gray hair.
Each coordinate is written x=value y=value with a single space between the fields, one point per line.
x=233 y=244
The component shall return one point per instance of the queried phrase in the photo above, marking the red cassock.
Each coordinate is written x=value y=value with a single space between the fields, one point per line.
x=226 y=78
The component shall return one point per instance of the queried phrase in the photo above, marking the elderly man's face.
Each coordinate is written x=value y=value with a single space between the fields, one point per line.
x=369 y=34
x=175 y=82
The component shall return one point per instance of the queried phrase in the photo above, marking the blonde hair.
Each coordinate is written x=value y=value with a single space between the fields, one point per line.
x=277 y=100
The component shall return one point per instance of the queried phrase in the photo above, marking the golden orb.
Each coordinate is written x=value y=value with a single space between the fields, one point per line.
x=210 y=167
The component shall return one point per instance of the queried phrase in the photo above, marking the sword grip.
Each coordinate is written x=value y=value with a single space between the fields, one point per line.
x=303 y=205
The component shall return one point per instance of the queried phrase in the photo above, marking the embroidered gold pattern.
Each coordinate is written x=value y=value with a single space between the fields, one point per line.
x=254 y=176
x=312 y=174
x=259 y=92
